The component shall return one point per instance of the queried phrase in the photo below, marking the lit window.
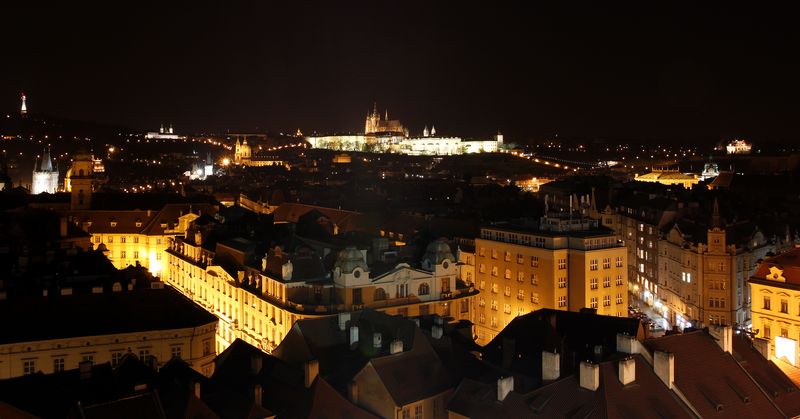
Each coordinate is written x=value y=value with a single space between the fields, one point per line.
x=29 y=367
x=619 y=298
x=593 y=283
x=562 y=264
x=606 y=300
x=562 y=282
x=535 y=298
x=520 y=294
x=58 y=364
x=520 y=276
x=507 y=291
x=507 y=256
x=507 y=274
x=494 y=270
x=534 y=279
x=619 y=279
x=606 y=263
x=593 y=265
x=562 y=301
x=619 y=262
x=593 y=302
x=534 y=261
x=176 y=352
x=606 y=282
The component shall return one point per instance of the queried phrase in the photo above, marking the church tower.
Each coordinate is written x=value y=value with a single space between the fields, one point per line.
x=81 y=181
x=45 y=176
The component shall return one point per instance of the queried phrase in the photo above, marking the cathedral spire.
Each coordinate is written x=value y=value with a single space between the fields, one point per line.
x=24 y=108
x=374 y=108
x=386 y=118
x=715 y=219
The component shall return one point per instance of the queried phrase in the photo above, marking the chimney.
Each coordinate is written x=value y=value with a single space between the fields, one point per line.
x=311 y=371
x=353 y=334
x=625 y=343
x=63 y=225
x=664 y=366
x=438 y=320
x=343 y=319
x=197 y=390
x=551 y=365
x=504 y=386
x=97 y=290
x=509 y=351
x=627 y=370
x=352 y=392
x=590 y=376
x=377 y=340
x=724 y=337
x=396 y=347
x=437 y=331
x=257 y=395
x=255 y=364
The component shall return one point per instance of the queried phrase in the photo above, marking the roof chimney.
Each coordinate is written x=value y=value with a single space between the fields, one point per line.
x=437 y=331
x=353 y=334
x=724 y=337
x=343 y=319
x=352 y=392
x=197 y=390
x=377 y=340
x=255 y=364
x=627 y=371
x=257 y=395
x=311 y=371
x=85 y=368
x=551 y=365
x=625 y=343
x=396 y=346
x=504 y=386
x=664 y=366
x=590 y=376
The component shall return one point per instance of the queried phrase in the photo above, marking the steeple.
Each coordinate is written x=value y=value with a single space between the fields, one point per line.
x=161 y=130
x=425 y=132
x=375 y=109
x=47 y=164
x=715 y=219
x=386 y=118
x=433 y=130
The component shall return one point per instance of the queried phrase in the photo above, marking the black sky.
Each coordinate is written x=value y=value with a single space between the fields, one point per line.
x=678 y=73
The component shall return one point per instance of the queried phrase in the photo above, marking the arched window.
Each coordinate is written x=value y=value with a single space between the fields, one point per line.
x=380 y=294
x=424 y=289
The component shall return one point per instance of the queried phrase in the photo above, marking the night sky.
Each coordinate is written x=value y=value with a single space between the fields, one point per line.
x=676 y=74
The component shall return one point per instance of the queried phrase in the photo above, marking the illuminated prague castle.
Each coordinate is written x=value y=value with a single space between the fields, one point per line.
x=375 y=125
x=45 y=176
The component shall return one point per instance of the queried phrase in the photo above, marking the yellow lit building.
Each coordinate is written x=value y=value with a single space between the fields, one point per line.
x=775 y=288
x=259 y=304
x=63 y=334
x=669 y=177
x=563 y=264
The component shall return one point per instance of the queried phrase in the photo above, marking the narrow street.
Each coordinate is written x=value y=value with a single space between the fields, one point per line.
x=661 y=324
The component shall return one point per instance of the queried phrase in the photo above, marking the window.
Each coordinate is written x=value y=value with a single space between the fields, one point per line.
x=176 y=352
x=406 y=413
x=534 y=279
x=494 y=321
x=507 y=256
x=424 y=289
x=116 y=357
x=562 y=301
x=520 y=258
x=402 y=290
x=158 y=241
x=113 y=224
x=58 y=364
x=494 y=271
x=534 y=261
x=507 y=274
x=619 y=298
x=767 y=332
x=494 y=288
x=418 y=411
x=494 y=253
x=122 y=254
x=97 y=239
x=606 y=282
x=110 y=239
x=158 y=256
x=784 y=307
x=481 y=302
x=507 y=308
x=619 y=262
x=136 y=254
x=29 y=367
x=784 y=332
x=593 y=265
x=483 y=285
x=606 y=263
x=593 y=283
x=136 y=239
x=122 y=239
x=482 y=251
x=89 y=358
x=482 y=268
x=606 y=300
x=507 y=291
x=766 y=303
x=562 y=264
x=494 y=305
x=593 y=302
x=520 y=294
x=380 y=294
x=357 y=295
x=482 y=318
x=619 y=279
x=520 y=276
x=562 y=282
x=535 y=298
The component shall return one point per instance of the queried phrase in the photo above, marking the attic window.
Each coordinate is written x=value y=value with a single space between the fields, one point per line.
x=113 y=223
x=138 y=223
x=163 y=225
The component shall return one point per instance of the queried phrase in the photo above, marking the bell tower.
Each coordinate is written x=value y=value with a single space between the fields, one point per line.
x=81 y=181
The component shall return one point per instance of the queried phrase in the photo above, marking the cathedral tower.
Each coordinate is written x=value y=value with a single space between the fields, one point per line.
x=45 y=176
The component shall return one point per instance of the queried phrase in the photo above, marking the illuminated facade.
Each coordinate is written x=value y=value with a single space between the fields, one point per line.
x=243 y=155
x=738 y=147
x=669 y=177
x=164 y=134
x=23 y=110
x=563 y=264
x=260 y=304
x=776 y=305
x=45 y=176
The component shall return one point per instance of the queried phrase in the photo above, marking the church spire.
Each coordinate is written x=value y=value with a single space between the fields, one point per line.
x=715 y=219
x=386 y=118
x=24 y=108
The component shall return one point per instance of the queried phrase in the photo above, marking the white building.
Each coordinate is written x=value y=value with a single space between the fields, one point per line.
x=164 y=134
x=45 y=176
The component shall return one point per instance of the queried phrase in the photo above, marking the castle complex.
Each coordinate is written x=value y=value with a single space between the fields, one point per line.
x=389 y=135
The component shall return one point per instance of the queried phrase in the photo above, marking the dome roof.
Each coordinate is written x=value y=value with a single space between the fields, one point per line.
x=437 y=252
x=349 y=259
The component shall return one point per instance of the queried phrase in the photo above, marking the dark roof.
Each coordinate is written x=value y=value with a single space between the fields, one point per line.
x=768 y=376
x=144 y=406
x=709 y=377
x=76 y=315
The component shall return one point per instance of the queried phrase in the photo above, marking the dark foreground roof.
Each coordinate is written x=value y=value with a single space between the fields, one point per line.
x=67 y=316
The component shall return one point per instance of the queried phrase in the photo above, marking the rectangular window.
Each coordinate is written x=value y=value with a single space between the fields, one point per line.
x=144 y=354
x=89 y=358
x=29 y=366
x=593 y=302
x=520 y=258
x=593 y=265
x=122 y=254
x=110 y=239
x=507 y=308
x=482 y=252
x=494 y=270
x=520 y=276
x=122 y=239
x=606 y=282
x=357 y=295
x=418 y=411
x=494 y=288
x=606 y=300
x=494 y=305
x=606 y=263
x=136 y=239
x=176 y=352
x=494 y=253
x=58 y=364
x=136 y=254
x=784 y=307
x=619 y=279
x=534 y=279
x=562 y=264
x=562 y=282
x=482 y=268
x=767 y=332
x=562 y=301
x=534 y=261
x=507 y=274
x=766 y=303
x=97 y=239
x=116 y=357
x=593 y=283
x=520 y=294
x=619 y=298
x=535 y=298
x=507 y=256
x=507 y=291
x=619 y=262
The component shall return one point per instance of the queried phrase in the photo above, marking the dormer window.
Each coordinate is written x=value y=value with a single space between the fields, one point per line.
x=138 y=223
x=113 y=223
x=163 y=225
